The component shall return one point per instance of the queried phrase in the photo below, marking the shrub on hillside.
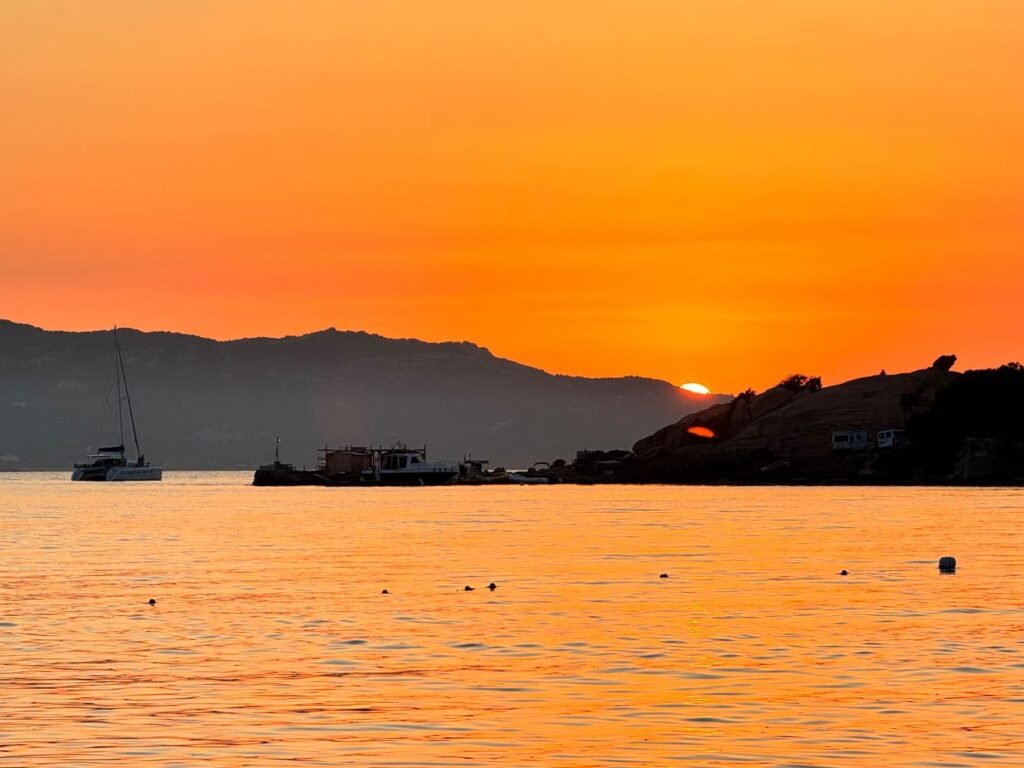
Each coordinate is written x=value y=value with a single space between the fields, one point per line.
x=798 y=382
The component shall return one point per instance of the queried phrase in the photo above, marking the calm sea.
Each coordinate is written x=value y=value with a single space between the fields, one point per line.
x=271 y=643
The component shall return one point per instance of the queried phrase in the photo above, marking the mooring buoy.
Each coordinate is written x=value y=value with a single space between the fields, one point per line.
x=947 y=564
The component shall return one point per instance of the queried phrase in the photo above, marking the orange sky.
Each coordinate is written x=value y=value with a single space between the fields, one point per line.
x=716 y=190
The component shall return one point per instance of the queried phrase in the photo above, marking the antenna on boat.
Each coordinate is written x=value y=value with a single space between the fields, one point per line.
x=127 y=396
x=277 y=450
x=117 y=378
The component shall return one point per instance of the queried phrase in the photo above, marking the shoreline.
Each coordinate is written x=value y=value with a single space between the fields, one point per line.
x=835 y=483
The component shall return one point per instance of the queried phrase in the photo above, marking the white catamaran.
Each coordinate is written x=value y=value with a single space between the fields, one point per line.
x=110 y=463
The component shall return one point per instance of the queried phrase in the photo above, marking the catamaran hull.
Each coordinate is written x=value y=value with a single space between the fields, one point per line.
x=116 y=474
x=94 y=474
x=124 y=474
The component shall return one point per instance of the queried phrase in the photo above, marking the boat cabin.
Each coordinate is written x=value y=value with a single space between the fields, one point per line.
x=400 y=460
x=105 y=459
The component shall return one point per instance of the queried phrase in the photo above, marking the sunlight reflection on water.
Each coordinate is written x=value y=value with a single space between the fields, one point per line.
x=271 y=641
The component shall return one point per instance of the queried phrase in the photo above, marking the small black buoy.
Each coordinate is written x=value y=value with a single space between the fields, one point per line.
x=947 y=565
x=467 y=588
x=843 y=572
x=663 y=576
x=492 y=586
x=384 y=592
x=152 y=601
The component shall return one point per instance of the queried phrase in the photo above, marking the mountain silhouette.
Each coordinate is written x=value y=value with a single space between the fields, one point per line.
x=206 y=404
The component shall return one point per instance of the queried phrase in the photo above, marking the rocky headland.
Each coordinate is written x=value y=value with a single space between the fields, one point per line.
x=947 y=427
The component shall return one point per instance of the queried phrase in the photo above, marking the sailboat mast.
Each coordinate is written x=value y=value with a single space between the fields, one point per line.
x=127 y=396
x=117 y=378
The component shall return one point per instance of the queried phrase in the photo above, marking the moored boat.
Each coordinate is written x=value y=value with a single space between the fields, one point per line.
x=409 y=466
x=111 y=464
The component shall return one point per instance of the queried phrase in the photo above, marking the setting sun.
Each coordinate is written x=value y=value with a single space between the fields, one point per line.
x=695 y=388
x=338 y=250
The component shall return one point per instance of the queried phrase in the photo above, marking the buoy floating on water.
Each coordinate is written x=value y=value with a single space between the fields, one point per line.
x=492 y=586
x=947 y=564
x=384 y=592
x=663 y=576
x=152 y=601
x=468 y=588
x=844 y=572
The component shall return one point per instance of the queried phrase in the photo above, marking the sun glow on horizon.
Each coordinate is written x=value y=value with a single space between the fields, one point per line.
x=674 y=170
x=695 y=388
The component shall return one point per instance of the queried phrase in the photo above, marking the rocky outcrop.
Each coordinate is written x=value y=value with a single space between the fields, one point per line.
x=787 y=430
x=984 y=460
x=979 y=459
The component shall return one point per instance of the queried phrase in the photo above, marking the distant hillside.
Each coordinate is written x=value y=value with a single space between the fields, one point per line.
x=207 y=404
x=965 y=428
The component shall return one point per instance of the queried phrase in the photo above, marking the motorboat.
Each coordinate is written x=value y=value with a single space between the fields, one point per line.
x=409 y=466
